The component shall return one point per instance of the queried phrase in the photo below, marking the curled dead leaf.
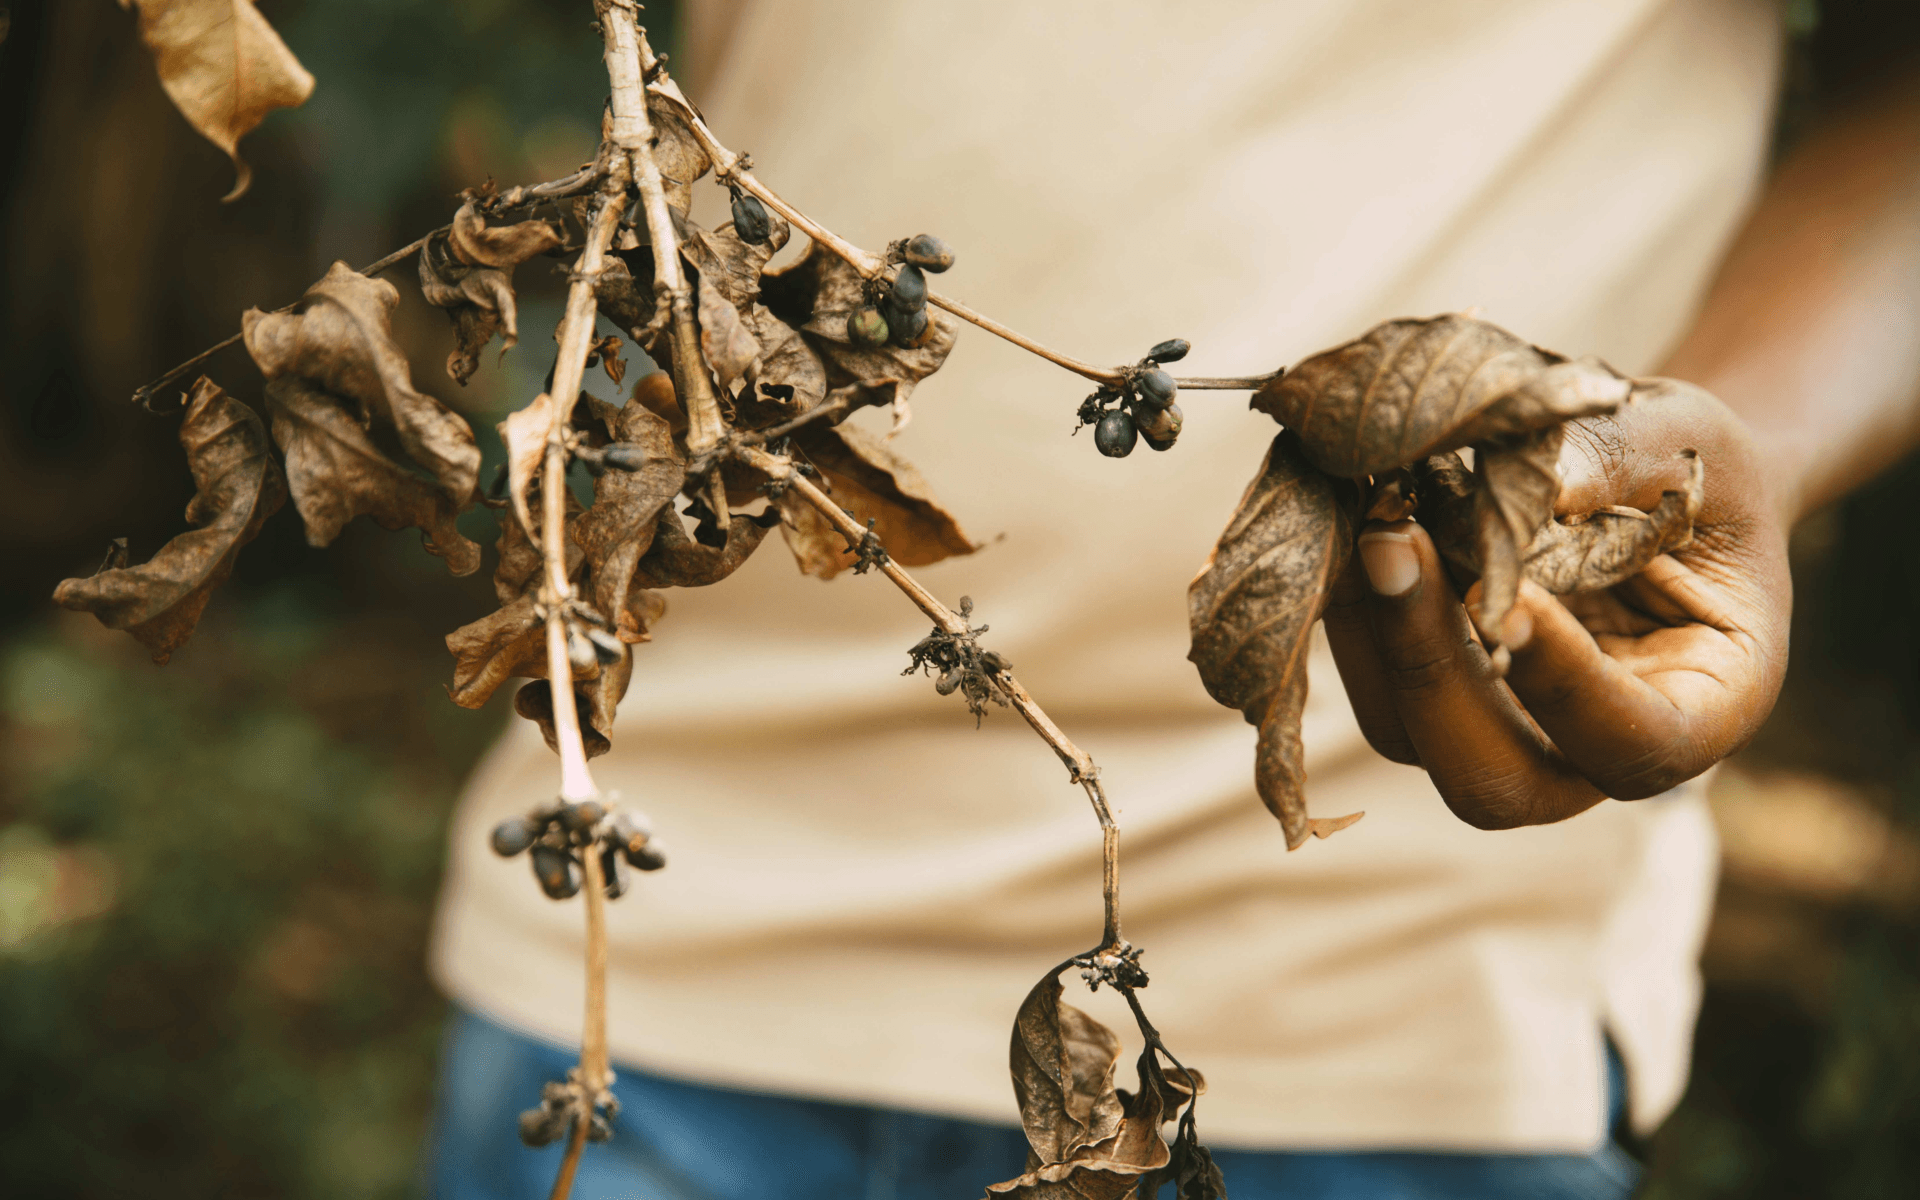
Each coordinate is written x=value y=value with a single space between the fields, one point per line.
x=236 y=488
x=341 y=342
x=874 y=484
x=1251 y=610
x=223 y=67
x=469 y=272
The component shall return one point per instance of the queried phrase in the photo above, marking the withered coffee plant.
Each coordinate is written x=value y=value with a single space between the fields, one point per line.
x=763 y=364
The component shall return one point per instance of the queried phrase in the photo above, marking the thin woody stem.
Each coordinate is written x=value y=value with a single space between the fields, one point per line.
x=1080 y=765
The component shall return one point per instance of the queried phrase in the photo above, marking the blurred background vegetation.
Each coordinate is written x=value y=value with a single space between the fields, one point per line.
x=216 y=882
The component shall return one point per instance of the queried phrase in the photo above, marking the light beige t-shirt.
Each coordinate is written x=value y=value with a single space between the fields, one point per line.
x=863 y=887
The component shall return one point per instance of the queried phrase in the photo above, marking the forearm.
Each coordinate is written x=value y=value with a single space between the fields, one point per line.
x=1811 y=332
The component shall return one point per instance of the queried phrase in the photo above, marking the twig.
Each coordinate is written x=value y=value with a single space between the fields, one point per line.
x=632 y=130
x=1234 y=383
x=1080 y=765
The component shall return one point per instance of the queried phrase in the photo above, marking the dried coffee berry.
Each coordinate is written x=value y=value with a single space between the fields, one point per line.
x=1157 y=388
x=558 y=874
x=928 y=253
x=624 y=456
x=542 y=1126
x=609 y=648
x=614 y=869
x=1115 y=434
x=909 y=289
x=908 y=327
x=648 y=857
x=598 y=1130
x=514 y=835
x=1171 y=350
x=1159 y=426
x=866 y=327
x=578 y=818
x=750 y=219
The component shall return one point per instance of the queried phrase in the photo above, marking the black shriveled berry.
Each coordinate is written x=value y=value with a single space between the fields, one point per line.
x=542 y=1126
x=1161 y=427
x=928 y=253
x=624 y=456
x=1171 y=350
x=750 y=219
x=514 y=835
x=1157 y=388
x=866 y=327
x=909 y=288
x=614 y=869
x=1115 y=434
x=648 y=857
x=598 y=1130
x=558 y=874
x=609 y=648
x=578 y=818
x=908 y=327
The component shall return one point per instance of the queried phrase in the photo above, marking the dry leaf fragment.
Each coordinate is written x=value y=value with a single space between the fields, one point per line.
x=681 y=157
x=535 y=702
x=223 y=67
x=1597 y=550
x=676 y=560
x=1413 y=388
x=1518 y=481
x=336 y=473
x=469 y=272
x=236 y=488
x=1252 y=608
x=342 y=341
x=874 y=484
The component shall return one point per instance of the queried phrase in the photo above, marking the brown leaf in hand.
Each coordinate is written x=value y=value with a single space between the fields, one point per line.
x=336 y=473
x=1412 y=388
x=1252 y=608
x=469 y=272
x=873 y=483
x=223 y=67
x=236 y=488
x=342 y=342
x=1593 y=551
x=1517 y=481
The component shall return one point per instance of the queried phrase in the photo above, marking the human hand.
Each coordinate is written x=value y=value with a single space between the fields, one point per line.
x=1624 y=692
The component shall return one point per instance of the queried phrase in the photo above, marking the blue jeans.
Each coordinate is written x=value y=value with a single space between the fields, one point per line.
x=685 y=1141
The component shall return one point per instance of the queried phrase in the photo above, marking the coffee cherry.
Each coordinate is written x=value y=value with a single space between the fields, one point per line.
x=613 y=868
x=1160 y=426
x=559 y=876
x=1171 y=350
x=929 y=253
x=627 y=832
x=609 y=648
x=1157 y=388
x=624 y=456
x=578 y=818
x=542 y=1126
x=750 y=221
x=909 y=328
x=597 y=1129
x=1115 y=434
x=909 y=289
x=514 y=835
x=649 y=857
x=866 y=327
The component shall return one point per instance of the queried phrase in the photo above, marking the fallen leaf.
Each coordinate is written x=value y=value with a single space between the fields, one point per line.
x=1413 y=388
x=236 y=488
x=336 y=473
x=1251 y=610
x=873 y=483
x=342 y=342
x=223 y=67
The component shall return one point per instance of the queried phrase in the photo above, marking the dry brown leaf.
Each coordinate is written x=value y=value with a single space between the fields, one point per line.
x=469 y=272
x=510 y=642
x=223 y=67
x=1087 y=1141
x=535 y=702
x=525 y=433
x=1600 y=549
x=236 y=488
x=336 y=473
x=681 y=157
x=618 y=530
x=1519 y=479
x=676 y=560
x=816 y=292
x=1252 y=608
x=1414 y=388
x=873 y=483
x=342 y=341
x=725 y=341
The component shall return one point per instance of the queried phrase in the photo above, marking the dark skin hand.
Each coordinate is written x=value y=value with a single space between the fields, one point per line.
x=1812 y=336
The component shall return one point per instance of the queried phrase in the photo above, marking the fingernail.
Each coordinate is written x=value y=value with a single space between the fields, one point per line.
x=1391 y=563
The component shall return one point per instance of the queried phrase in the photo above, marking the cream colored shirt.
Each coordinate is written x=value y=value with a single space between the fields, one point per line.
x=863 y=886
